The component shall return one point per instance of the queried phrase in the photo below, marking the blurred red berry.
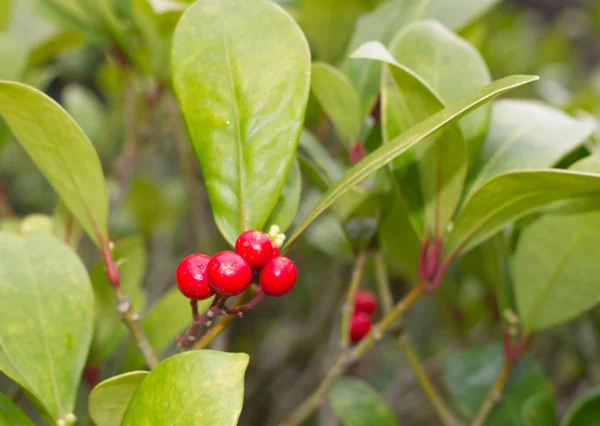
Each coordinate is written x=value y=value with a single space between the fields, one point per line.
x=192 y=278
x=255 y=247
x=228 y=273
x=278 y=277
x=365 y=302
x=360 y=326
x=276 y=252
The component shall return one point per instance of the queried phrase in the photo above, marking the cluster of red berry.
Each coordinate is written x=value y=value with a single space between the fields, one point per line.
x=229 y=273
x=365 y=305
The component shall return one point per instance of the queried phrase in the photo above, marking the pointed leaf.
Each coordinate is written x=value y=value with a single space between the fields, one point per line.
x=10 y=414
x=339 y=101
x=47 y=300
x=356 y=403
x=243 y=89
x=386 y=153
x=109 y=399
x=61 y=150
x=586 y=411
x=525 y=135
x=510 y=196
x=196 y=387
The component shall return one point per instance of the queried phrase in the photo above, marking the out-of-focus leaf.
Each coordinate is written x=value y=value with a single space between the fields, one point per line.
x=10 y=415
x=585 y=411
x=539 y=410
x=14 y=53
x=86 y=109
x=109 y=399
x=285 y=210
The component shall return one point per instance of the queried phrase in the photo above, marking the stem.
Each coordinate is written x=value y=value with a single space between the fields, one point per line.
x=345 y=359
x=200 y=321
x=238 y=310
x=444 y=413
x=495 y=394
x=348 y=307
x=383 y=283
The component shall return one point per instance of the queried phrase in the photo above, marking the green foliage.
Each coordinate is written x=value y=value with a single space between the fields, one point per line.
x=110 y=398
x=10 y=415
x=585 y=411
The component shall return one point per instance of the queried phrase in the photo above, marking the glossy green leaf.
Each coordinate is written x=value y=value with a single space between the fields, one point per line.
x=167 y=318
x=431 y=175
x=10 y=414
x=196 y=387
x=109 y=399
x=510 y=196
x=525 y=135
x=285 y=210
x=356 y=403
x=86 y=109
x=47 y=301
x=539 y=410
x=555 y=275
x=130 y=255
x=384 y=23
x=386 y=153
x=451 y=67
x=471 y=374
x=243 y=89
x=338 y=100
x=585 y=411
x=62 y=152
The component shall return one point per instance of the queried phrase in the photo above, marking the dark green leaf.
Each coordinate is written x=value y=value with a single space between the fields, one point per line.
x=586 y=411
x=10 y=415
x=243 y=89
x=356 y=403
x=61 y=150
x=47 y=301
x=109 y=399
x=196 y=387
x=386 y=153
x=539 y=410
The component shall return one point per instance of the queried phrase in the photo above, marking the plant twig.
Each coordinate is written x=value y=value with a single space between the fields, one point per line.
x=383 y=283
x=444 y=413
x=495 y=394
x=346 y=359
x=200 y=321
x=348 y=307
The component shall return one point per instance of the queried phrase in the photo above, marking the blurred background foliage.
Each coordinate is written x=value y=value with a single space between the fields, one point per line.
x=110 y=70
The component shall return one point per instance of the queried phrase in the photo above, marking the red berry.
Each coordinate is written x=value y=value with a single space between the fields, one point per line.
x=278 y=277
x=228 y=273
x=365 y=302
x=192 y=278
x=255 y=247
x=359 y=326
x=276 y=252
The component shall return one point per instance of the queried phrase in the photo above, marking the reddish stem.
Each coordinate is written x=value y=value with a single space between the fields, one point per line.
x=422 y=272
x=260 y=296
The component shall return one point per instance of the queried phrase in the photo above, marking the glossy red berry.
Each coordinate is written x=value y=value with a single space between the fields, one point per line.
x=192 y=278
x=228 y=273
x=255 y=247
x=360 y=325
x=365 y=302
x=278 y=277
x=275 y=252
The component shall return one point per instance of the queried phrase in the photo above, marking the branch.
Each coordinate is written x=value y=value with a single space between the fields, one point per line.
x=348 y=307
x=346 y=359
x=200 y=321
x=495 y=394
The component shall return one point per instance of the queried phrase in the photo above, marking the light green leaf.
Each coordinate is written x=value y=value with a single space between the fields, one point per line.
x=167 y=318
x=37 y=224
x=338 y=100
x=243 y=89
x=356 y=403
x=47 y=300
x=62 y=152
x=431 y=175
x=10 y=415
x=109 y=399
x=130 y=255
x=510 y=196
x=285 y=210
x=451 y=67
x=586 y=411
x=86 y=109
x=15 y=54
x=196 y=387
x=384 y=23
x=525 y=135
x=386 y=153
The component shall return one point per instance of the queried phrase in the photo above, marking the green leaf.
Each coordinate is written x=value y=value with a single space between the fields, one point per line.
x=471 y=374
x=555 y=275
x=37 y=224
x=109 y=399
x=338 y=100
x=586 y=411
x=13 y=68
x=167 y=318
x=47 y=301
x=62 y=152
x=10 y=415
x=539 y=410
x=66 y=227
x=431 y=175
x=384 y=23
x=510 y=196
x=86 y=109
x=196 y=387
x=253 y=82
x=285 y=210
x=386 y=153
x=451 y=67
x=329 y=167
x=130 y=255
x=356 y=403
x=525 y=135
